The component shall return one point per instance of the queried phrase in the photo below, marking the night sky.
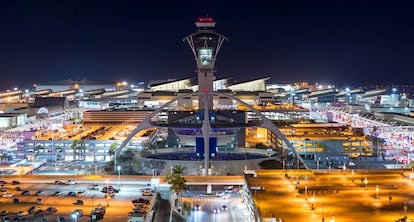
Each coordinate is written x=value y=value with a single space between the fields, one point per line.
x=340 y=42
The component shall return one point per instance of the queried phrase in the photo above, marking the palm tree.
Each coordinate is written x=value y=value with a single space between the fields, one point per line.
x=3 y=156
x=176 y=180
x=74 y=145
x=112 y=149
x=81 y=147
x=178 y=169
x=38 y=148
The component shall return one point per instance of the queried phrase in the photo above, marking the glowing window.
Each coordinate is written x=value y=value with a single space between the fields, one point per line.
x=205 y=55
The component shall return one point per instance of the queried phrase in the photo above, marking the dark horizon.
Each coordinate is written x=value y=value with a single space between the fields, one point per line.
x=339 y=42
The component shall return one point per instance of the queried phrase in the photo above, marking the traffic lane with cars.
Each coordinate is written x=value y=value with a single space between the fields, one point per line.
x=212 y=208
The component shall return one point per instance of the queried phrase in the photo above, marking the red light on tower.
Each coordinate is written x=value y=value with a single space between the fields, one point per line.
x=206 y=90
x=205 y=19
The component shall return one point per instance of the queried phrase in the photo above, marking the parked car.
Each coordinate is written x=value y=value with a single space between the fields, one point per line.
x=22 y=213
x=15 y=182
x=110 y=188
x=101 y=208
x=25 y=193
x=4 y=213
x=39 y=213
x=71 y=182
x=59 y=182
x=60 y=219
x=40 y=192
x=219 y=194
x=141 y=200
x=51 y=210
x=78 y=212
x=7 y=195
x=71 y=194
x=78 y=202
x=225 y=196
x=56 y=193
x=80 y=193
x=146 y=189
x=93 y=187
x=32 y=209
x=146 y=193
x=110 y=194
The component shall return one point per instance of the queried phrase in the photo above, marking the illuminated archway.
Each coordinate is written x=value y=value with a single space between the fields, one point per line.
x=264 y=122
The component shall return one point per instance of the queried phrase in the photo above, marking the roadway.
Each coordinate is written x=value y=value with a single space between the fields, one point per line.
x=216 y=208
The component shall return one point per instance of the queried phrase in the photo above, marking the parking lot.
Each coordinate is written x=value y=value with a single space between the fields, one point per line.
x=35 y=197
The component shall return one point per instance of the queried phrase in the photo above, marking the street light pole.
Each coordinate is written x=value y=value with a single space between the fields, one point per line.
x=405 y=209
x=312 y=201
x=376 y=191
x=353 y=173
x=366 y=182
x=390 y=199
x=119 y=177
x=115 y=160
x=107 y=192
x=306 y=193
x=93 y=198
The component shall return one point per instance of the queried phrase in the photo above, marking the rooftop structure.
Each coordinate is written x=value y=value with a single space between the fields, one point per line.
x=205 y=44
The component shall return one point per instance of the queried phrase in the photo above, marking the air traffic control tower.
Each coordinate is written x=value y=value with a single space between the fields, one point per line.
x=205 y=44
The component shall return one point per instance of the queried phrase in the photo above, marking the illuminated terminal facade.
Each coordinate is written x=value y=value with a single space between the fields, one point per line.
x=176 y=104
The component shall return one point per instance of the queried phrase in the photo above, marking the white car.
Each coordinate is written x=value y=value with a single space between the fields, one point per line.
x=220 y=194
x=8 y=195
x=146 y=189
x=146 y=193
x=22 y=213
x=93 y=187
x=225 y=196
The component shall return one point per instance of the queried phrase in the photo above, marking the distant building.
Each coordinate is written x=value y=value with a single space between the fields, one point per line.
x=84 y=84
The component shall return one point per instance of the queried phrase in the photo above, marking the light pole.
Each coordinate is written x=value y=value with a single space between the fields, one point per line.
x=306 y=193
x=107 y=192
x=405 y=208
x=93 y=199
x=376 y=191
x=119 y=177
x=390 y=199
x=366 y=182
x=353 y=173
x=312 y=201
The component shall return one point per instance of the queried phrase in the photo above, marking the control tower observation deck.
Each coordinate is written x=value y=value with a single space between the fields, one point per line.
x=205 y=44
